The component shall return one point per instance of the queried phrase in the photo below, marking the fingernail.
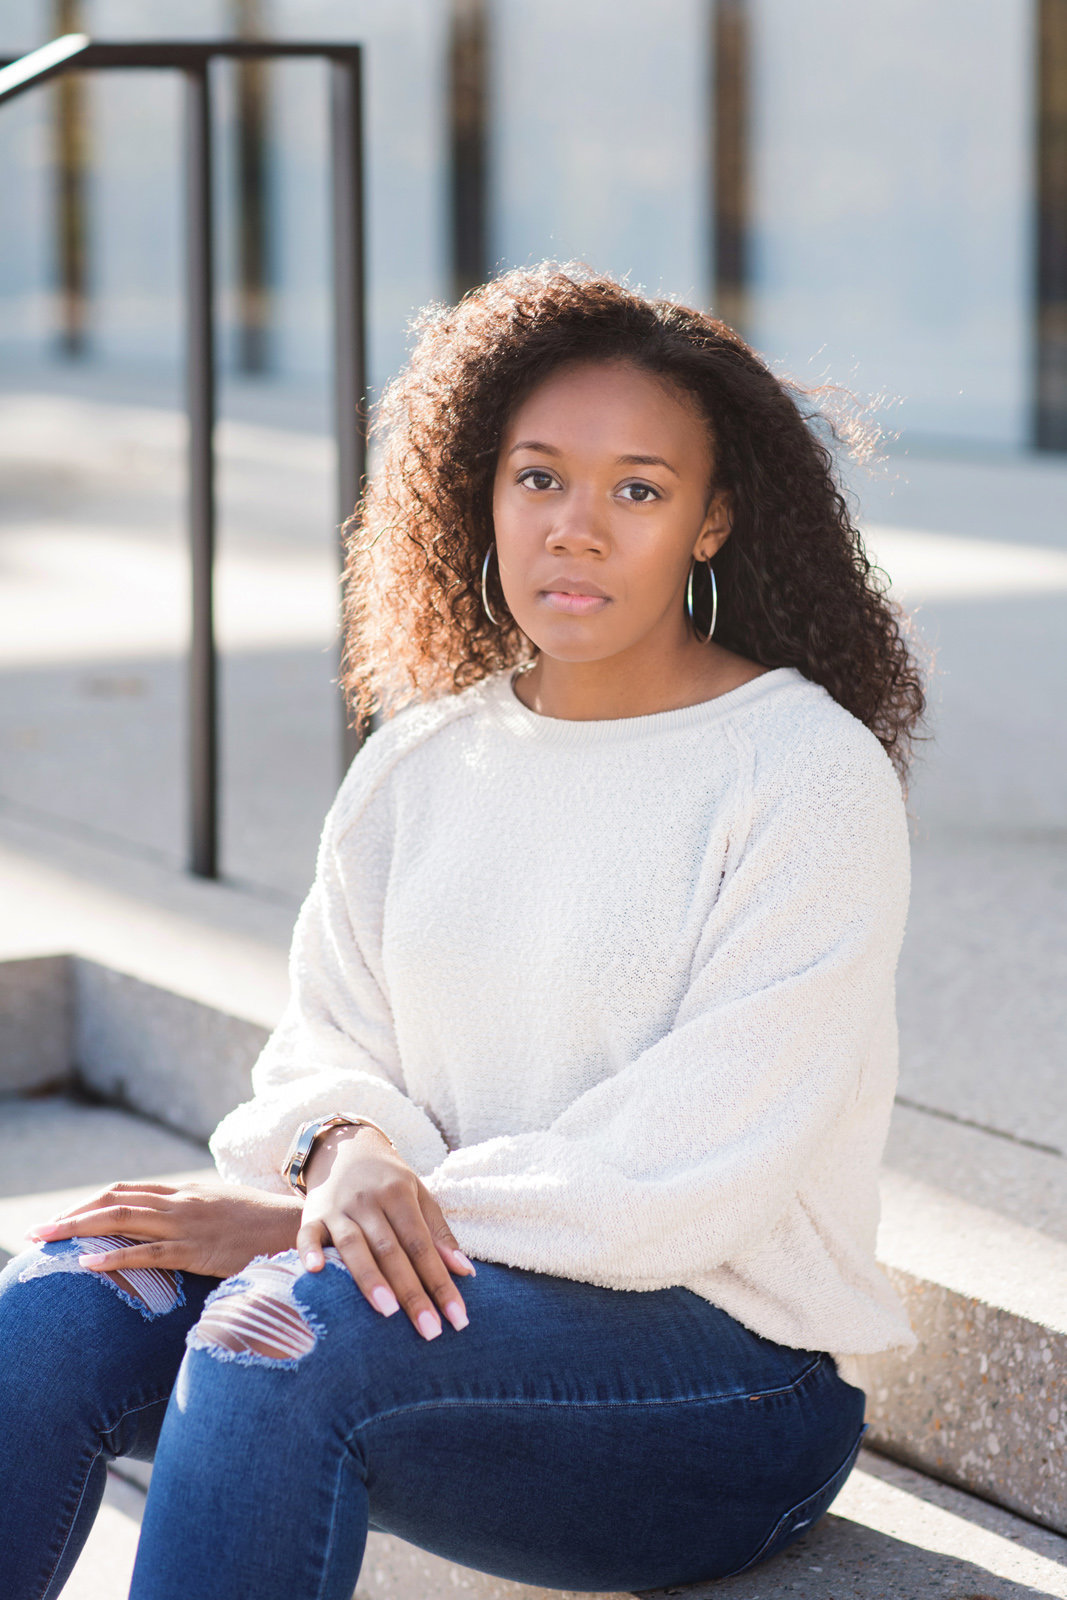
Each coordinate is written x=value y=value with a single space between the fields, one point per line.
x=464 y=1262
x=385 y=1300
x=313 y=1260
x=456 y=1314
x=36 y=1233
x=91 y=1261
x=428 y=1324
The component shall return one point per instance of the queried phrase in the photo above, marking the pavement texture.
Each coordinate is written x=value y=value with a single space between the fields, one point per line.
x=892 y=1535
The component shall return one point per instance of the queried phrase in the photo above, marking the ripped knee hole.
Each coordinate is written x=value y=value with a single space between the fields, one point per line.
x=151 y=1290
x=255 y=1317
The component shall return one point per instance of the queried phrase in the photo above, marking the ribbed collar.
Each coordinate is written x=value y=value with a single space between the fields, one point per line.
x=504 y=704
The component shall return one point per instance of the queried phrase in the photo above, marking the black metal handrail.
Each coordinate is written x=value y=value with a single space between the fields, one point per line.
x=77 y=52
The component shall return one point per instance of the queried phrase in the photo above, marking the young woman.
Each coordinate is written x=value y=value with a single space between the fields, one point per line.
x=594 y=984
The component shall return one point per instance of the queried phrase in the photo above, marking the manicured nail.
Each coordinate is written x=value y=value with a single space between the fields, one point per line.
x=385 y=1300
x=91 y=1261
x=429 y=1325
x=456 y=1314
x=313 y=1260
x=464 y=1262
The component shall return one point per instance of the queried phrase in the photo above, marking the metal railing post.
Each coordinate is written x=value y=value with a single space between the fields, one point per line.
x=349 y=331
x=200 y=395
x=192 y=58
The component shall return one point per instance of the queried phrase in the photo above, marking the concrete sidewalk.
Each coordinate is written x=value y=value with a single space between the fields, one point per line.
x=892 y=1535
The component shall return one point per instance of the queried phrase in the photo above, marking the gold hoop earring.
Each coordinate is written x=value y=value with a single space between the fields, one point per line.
x=485 y=592
x=704 y=638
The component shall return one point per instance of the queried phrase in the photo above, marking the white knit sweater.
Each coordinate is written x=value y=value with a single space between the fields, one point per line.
x=622 y=992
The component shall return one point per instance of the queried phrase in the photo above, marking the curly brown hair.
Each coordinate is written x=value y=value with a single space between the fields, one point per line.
x=797 y=588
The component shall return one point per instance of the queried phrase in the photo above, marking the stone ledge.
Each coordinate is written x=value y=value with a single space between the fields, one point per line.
x=209 y=940
x=67 y=1019
x=892 y=1535
x=982 y=1402
x=36 y=1022
x=173 y=1058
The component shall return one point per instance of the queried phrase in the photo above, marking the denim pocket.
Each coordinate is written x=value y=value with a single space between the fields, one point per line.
x=805 y=1514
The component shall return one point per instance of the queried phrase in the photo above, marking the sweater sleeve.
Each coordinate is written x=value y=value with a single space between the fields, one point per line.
x=687 y=1157
x=334 y=1049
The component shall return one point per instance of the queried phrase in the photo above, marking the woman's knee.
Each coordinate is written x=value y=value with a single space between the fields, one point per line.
x=272 y=1313
x=274 y=1333
x=67 y=1332
x=149 y=1290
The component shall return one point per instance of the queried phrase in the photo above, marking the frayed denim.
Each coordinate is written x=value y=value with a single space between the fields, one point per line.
x=571 y=1437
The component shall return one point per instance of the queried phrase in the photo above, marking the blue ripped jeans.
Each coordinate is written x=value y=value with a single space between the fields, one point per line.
x=571 y=1437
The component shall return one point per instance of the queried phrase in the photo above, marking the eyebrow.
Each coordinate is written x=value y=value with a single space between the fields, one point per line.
x=550 y=450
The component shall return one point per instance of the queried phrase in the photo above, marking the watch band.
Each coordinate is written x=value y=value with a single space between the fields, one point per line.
x=299 y=1152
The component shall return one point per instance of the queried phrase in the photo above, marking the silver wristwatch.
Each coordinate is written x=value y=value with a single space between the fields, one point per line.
x=299 y=1152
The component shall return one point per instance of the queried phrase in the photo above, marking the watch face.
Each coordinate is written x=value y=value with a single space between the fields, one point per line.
x=297 y=1154
x=300 y=1149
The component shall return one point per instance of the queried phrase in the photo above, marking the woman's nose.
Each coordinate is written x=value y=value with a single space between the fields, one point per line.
x=578 y=525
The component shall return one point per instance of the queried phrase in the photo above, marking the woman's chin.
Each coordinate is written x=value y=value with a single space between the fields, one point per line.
x=571 y=653
x=575 y=640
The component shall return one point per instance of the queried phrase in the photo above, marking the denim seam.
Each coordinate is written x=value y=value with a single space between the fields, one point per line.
x=519 y=1400
x=766 y=1549
x=72 y=1522
x=342 y=1461
x=131 y=1411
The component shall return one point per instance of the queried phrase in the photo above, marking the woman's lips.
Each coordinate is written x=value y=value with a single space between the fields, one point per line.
x=578 y=605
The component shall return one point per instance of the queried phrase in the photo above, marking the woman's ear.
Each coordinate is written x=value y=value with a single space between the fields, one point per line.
x=715 y=529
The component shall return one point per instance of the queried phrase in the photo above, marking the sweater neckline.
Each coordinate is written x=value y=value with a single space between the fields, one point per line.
x=532 y=725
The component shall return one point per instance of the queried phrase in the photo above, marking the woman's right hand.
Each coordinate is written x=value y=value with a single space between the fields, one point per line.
x=392 y=1235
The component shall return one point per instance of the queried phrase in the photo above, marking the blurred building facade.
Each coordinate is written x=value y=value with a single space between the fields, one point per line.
x=875 y=194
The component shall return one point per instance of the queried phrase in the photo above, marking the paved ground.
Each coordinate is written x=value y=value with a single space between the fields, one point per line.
x=893 y=1535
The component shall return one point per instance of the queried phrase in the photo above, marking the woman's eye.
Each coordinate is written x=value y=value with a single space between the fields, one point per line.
x=643 y=492
x=544 y=478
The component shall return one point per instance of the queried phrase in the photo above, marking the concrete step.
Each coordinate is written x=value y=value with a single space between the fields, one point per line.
x=892 y=1535
x=893 y=1532
x=983 y=1401
x=981 y=1404
x=56 y=1151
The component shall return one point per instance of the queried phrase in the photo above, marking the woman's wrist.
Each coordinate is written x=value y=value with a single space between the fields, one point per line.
x=330 y=1144
x=280 y=1223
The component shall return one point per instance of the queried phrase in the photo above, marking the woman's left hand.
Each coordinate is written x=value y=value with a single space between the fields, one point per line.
x=210 y=1228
